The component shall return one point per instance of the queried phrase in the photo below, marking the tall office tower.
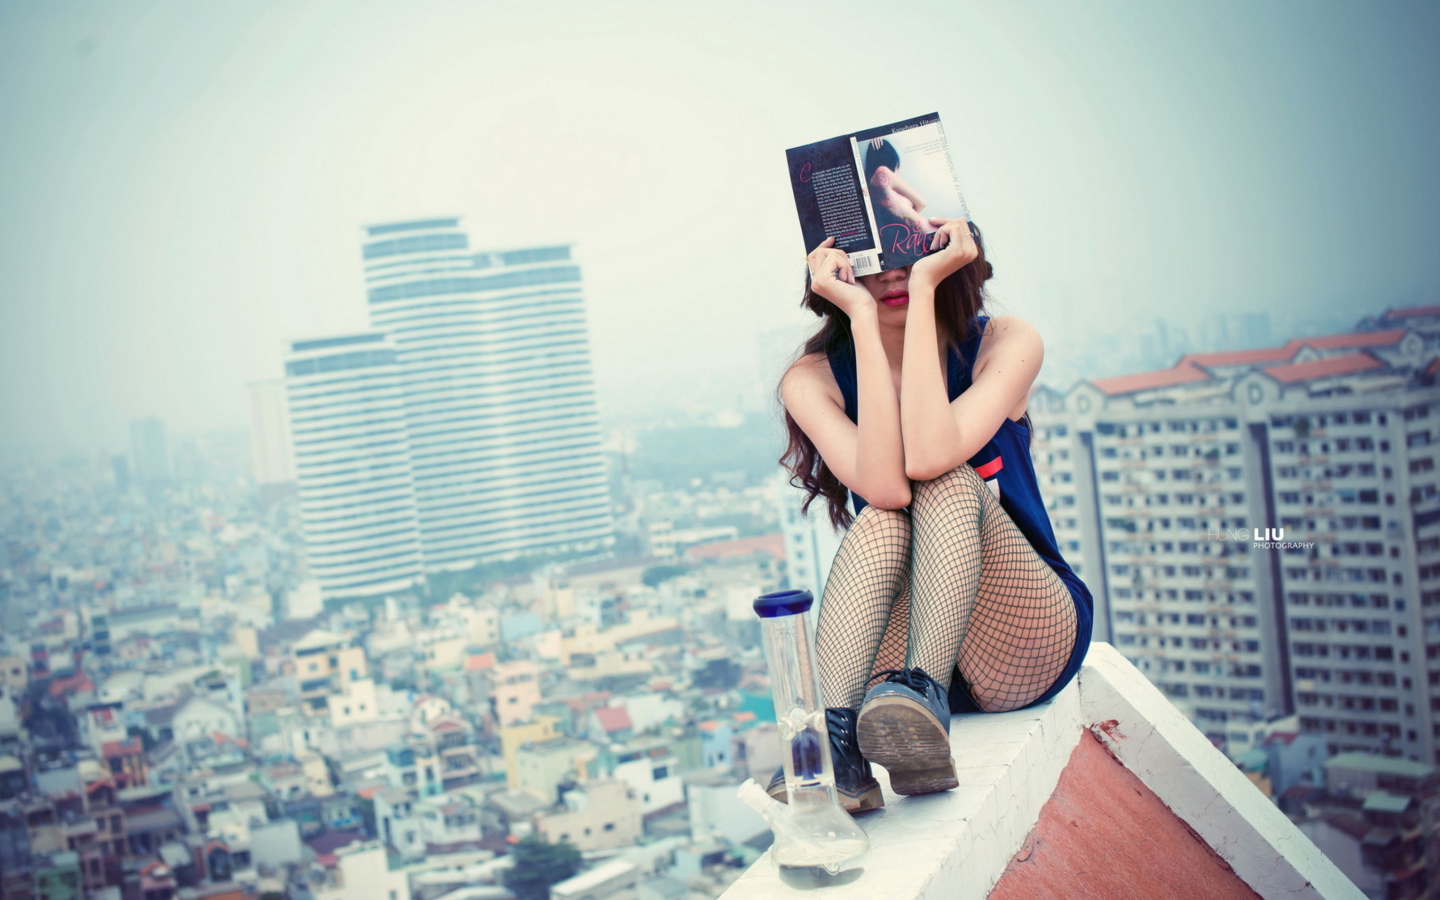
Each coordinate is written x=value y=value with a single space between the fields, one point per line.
x=270 y=460
x=352 y=463
x=149 y=457
x=1164 y=485
x=495 y=364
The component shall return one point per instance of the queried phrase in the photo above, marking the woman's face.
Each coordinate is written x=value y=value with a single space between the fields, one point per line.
x=891 y=291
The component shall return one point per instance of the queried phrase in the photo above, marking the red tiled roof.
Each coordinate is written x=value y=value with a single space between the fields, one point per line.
x=1386 y=338
x=479 y=662
x=1242 y=357
x=1406 y=312
x=111 y=749
x=774 y=544
x=221 y=738
x=613 y=718
x=72 y=685
x=1190 y=367
x=1323 y=368
x=1183 y=372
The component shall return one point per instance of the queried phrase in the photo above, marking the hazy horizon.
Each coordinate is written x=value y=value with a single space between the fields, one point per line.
x=183 y=188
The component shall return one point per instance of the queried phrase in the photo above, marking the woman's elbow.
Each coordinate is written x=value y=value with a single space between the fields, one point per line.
x=926 y=470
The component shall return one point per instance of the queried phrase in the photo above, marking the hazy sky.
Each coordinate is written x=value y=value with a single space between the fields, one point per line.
x=182 y=184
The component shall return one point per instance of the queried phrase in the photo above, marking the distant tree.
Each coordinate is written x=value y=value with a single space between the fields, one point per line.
x=539 y=864
x=657 y=575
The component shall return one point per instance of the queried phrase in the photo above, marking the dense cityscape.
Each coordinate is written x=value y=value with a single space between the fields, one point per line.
x=431 y=632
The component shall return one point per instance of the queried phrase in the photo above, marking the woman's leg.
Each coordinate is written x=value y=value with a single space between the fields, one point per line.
x=870 y=571
x=982 y=598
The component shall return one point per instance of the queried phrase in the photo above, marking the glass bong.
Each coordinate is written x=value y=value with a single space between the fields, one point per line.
x=816 y=841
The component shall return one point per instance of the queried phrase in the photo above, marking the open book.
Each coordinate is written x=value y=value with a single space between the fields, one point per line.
x=875 y=191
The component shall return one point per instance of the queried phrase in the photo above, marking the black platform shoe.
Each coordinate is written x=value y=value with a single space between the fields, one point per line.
x=855 y=784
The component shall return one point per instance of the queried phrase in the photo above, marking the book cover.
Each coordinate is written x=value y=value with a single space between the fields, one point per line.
x=875 y=191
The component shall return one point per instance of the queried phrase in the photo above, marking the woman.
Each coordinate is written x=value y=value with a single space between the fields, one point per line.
x=948 y=593
x=895 y=201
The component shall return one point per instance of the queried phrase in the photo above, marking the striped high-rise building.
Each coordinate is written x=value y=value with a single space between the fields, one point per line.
x=1164 y=485
x=494 y=364
x=352 y=464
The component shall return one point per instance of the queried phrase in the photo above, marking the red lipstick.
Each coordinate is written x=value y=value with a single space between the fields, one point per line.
x=895 y=297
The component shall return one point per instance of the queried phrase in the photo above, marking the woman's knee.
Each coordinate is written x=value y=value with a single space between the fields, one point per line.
x=961 y=481
x=876 y=521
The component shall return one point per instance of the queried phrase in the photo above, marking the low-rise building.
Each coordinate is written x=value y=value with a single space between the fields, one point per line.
x=599 y=815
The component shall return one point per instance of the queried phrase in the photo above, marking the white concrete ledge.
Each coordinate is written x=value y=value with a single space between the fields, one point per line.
x=958 y=843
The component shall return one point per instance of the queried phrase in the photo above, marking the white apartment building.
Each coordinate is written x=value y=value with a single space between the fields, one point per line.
x=352 y=464
x=1162 y=486
x=494 y=360
x=810 y=540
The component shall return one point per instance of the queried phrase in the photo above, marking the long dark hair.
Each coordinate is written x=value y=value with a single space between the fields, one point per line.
x=958 y=300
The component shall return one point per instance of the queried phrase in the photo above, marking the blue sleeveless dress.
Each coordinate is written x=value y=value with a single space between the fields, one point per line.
x=1004 y=462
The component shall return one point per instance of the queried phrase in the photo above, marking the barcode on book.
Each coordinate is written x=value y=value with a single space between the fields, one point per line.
x=864 y=263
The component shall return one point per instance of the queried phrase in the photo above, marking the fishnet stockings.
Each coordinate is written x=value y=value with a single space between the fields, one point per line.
x=975 y=595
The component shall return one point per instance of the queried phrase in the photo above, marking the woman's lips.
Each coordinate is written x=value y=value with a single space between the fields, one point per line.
x=895 y=298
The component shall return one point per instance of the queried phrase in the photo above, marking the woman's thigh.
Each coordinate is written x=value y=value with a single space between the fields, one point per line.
x=1022 y=628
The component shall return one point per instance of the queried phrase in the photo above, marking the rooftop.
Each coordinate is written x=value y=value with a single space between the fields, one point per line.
x=1108 y=791
x=1286 y=363
x=1386 y=765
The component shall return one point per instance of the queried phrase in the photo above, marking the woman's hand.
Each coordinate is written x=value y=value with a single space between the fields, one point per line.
x=956 y=249
x=832 y=277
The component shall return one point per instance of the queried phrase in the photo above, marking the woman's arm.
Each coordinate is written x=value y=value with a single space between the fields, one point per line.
x=868 y=458
x=898 y=185
x=940 y=435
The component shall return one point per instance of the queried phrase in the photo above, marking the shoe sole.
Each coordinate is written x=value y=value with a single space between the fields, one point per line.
x=905 y=738
x=870 y=798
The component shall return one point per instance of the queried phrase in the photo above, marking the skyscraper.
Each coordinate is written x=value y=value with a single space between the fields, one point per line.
x=1260 y=529
x=494 y=363
x=270 y=461
x=352 y=463
x=149 y=456
x=271 y=464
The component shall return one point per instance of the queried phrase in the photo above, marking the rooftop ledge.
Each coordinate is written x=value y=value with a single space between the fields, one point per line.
x=1106 y=792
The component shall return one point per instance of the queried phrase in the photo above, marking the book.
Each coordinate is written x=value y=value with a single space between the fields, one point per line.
x=875 y=191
